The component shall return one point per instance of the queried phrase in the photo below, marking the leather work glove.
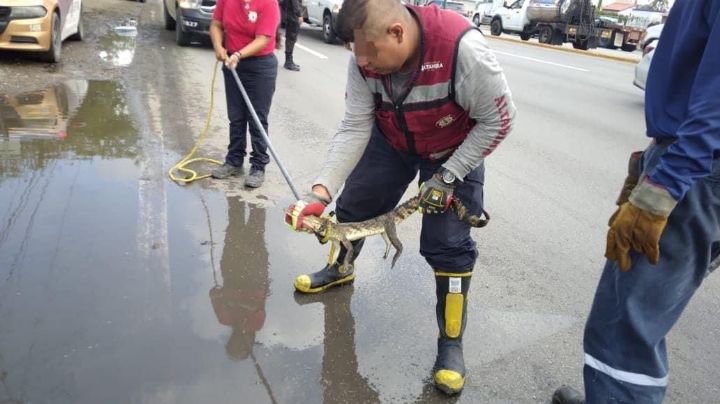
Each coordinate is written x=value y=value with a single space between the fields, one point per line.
x=312 y=204
x=638 y=224
x=632 y=178
x=436 y=193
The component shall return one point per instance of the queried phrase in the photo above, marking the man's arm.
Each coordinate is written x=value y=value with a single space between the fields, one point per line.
x=691 y=156
x=353 y=135
x=481 y=89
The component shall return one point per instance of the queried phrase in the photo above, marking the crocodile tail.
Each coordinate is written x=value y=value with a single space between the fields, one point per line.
x=406 y=209
x=473 y=220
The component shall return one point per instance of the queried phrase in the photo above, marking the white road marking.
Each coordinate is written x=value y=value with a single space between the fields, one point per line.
x=310 y=51
x=542 y=61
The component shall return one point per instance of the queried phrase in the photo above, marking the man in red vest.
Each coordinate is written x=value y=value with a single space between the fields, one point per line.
x=424 y=94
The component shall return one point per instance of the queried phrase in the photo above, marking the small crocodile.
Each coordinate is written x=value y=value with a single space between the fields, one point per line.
x=327 y=229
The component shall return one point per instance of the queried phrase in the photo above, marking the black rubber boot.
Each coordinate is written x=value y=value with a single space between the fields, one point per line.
x=451 y=311
x=567 y=395
x=332 y=275
x=290 y=64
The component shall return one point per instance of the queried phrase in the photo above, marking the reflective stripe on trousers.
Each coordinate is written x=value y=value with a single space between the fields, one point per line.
x=626 y=358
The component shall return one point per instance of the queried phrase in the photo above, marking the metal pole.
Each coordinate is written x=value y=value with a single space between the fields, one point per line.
x=264 y=135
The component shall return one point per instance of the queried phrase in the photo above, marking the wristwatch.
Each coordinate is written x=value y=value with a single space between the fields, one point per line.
x=447 y=176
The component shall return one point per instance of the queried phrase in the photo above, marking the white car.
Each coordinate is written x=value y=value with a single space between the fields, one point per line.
x=484 y=11
x=643 y=67
x=651 y=34
x=648 y=44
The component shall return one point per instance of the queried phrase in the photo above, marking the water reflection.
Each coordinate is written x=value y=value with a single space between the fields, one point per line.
x=341 y=380
x=41 y=114
x=238 y=299
x=90 y=117
x=119 y=46
x=239 y=302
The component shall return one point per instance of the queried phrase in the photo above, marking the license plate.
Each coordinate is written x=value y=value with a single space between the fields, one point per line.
x=619 y=37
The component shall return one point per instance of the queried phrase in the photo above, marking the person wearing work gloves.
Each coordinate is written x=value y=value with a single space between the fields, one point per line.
x=243 y=35
x=666 y=231
x=424 y=94
x=292 y=18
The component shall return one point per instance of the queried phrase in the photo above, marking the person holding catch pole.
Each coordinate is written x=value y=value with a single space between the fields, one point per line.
x=243 y=34
x=424 y=94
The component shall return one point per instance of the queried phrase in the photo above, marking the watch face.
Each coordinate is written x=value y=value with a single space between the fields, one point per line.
x=448 y=177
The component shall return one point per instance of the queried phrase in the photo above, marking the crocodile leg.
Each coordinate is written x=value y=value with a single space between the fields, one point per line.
x=392 y=235
x=387 y=244
x=350 y=252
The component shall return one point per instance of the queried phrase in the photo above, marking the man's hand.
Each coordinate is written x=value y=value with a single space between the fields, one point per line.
x=232 y=61
x=435 y=195
x=301 y=20
x=638 y=224
x=312 y=204
x=221 y=54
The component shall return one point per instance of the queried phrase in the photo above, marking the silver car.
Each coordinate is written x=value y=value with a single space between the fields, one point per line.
x=648 y=44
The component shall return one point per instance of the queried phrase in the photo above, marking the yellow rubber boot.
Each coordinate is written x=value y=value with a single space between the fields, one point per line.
x=449 y=370
x=333 y=274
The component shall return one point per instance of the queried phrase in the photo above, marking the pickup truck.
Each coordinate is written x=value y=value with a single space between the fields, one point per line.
x=553 y=21
x=323 y=13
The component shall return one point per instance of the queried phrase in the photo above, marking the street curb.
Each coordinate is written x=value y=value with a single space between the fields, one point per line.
x=563 y=49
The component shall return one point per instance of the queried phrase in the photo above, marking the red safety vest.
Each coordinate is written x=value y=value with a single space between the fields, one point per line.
x=426 y=120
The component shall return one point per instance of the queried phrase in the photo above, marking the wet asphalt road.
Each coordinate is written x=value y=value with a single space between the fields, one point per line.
x=118 y=285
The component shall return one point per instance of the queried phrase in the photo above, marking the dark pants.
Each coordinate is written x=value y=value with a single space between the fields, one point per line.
x=380 y=179
x=292 y=28
x=258 y=76
x=625 y=353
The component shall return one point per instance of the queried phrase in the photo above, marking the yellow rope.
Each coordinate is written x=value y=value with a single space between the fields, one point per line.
x=192 y=175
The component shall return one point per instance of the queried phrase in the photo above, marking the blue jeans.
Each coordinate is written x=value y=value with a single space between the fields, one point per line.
x=380 y=179
x=625 y=353
x=258 y=76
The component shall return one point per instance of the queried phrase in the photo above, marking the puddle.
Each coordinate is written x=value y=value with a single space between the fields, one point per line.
x=118 y=286
x=118 y=46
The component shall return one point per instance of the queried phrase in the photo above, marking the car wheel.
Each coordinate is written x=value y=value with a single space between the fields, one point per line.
x=546 y=35
x=80 y=34
x=476 y=20
x=328 y=33
x=629 y=47
x=181 y=38
x=167 y=18
x=53 y=54
x=496 y=27
x=524 y=36
x=580 y=44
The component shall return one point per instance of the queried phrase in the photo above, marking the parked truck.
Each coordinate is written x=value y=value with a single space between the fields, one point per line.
x=613 y=34
x=552 y=21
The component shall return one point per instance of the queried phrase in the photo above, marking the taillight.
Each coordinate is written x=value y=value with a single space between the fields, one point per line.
x=648 y=49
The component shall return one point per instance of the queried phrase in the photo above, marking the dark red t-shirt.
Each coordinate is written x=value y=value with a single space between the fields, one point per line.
x=243 y=20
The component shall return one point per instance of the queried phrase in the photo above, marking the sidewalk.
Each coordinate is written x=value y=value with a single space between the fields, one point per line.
x=621 y=56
